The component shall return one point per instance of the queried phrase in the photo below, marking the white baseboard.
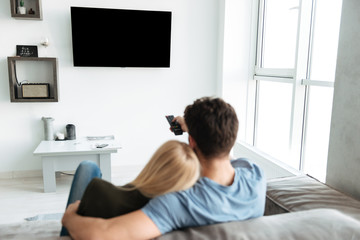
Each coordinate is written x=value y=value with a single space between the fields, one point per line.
x=128 y=172
x=20 y=174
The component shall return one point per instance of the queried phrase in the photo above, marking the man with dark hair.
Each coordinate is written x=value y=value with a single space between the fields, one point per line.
x=213 y=124
x=227 y=191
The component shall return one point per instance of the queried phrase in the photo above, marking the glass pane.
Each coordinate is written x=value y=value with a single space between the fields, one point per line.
x=280 y=32
x=325 y=40
x=318 y=131
x=273 y=122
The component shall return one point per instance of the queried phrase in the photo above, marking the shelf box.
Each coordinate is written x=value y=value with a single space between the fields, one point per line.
x=32 y=70
x=35 y=5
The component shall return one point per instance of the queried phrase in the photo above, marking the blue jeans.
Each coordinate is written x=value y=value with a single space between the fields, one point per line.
x=85 y=172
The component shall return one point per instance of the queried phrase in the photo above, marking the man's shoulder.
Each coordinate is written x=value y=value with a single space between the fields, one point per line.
x=242 y=163
x=246 y=166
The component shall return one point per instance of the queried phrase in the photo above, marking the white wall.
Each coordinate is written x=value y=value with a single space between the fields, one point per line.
x=129 y=103
x=237 y=56
x=344 y=152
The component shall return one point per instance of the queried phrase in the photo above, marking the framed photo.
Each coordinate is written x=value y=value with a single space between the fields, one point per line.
x=26 y=51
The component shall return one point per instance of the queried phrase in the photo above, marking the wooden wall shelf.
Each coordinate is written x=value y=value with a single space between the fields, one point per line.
x=42 y=69
x=35 y=5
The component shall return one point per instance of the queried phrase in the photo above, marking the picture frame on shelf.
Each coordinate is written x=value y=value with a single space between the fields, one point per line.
x=26 y=51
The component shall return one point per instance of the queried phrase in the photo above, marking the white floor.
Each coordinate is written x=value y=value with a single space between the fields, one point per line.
x=24 y=197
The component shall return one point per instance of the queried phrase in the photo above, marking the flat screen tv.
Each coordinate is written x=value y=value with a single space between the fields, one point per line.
x=104 y=37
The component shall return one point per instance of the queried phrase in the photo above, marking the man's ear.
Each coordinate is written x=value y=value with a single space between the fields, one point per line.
x=192 y=142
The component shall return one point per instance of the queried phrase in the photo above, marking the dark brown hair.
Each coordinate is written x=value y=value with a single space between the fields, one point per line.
x=213 y=124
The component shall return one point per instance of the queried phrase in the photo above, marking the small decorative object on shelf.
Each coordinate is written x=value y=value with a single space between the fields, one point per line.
x=26 y=9
x=31 y=11
x=26 y=51
x=35 y=90
x=21 y=8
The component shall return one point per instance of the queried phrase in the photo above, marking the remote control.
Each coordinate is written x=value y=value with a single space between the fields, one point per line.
x=102 y=145
x=175 y=126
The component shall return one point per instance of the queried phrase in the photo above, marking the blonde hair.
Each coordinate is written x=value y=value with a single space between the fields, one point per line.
x=173 y=167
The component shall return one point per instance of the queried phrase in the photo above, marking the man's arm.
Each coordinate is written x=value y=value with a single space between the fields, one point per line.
x=135 y=225
x=182 y=123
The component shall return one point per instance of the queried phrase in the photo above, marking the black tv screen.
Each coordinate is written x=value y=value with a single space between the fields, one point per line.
x=104 y=37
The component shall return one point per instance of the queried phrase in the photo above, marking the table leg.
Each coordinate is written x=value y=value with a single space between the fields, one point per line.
x=49 y=174
x=105 y=166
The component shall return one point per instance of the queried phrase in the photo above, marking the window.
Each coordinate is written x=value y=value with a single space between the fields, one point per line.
x=294 y=73
x=273 y=118
x=279 y=36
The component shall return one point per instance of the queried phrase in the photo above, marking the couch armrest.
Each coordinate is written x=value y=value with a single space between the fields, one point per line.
x=312 y=224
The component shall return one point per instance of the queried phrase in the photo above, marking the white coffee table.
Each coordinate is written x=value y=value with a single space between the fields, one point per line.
x=66 y=156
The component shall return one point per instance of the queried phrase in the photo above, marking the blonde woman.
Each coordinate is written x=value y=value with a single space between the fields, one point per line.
x=173 y=167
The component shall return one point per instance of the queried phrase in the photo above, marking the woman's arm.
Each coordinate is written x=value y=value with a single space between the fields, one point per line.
x=135 y=225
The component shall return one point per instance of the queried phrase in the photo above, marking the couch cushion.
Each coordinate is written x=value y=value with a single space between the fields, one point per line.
x=300 y=193
x=312 y=224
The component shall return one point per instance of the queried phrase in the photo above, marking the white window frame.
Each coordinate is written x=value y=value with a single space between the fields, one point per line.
x=298 y=77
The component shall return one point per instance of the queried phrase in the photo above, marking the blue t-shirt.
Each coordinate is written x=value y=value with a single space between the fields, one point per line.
x=208 y=202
